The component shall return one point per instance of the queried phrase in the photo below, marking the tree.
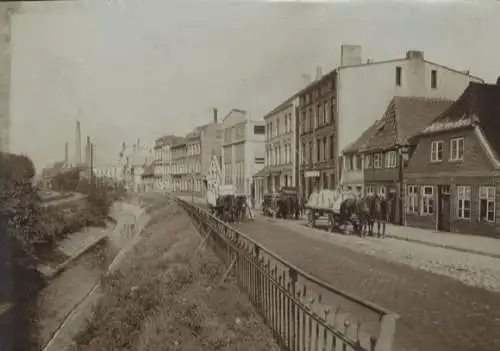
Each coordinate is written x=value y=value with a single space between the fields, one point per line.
x=67 y=180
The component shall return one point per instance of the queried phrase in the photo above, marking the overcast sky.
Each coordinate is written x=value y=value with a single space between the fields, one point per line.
x=141 y=71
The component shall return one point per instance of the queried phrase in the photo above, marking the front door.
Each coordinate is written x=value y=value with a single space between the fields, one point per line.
x=444 y=208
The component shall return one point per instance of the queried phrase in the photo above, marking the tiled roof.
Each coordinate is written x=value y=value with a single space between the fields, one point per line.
x=367 y=134
x=403 y=118
x=479 y=104
x=168 y=139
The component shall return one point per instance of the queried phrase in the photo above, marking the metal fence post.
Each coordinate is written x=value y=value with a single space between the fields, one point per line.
x=257 y=288
x=387 y=332
x=292 y=273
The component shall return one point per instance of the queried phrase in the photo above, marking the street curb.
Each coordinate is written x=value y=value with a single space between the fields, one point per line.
x=63 y=266
x=444 y=246
x=427 y=243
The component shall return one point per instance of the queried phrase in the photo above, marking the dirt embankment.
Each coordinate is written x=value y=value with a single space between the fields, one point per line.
x=166 y=295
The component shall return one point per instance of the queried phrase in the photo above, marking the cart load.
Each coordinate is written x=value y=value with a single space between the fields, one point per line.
x=328 y=200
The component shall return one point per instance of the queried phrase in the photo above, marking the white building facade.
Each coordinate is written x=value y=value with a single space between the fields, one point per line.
x=243 y=150
x=281 y=146
x=364 y=90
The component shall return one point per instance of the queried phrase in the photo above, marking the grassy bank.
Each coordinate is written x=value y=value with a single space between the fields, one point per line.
x=165 y=296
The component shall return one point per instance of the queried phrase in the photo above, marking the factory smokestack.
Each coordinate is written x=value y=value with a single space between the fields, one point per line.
x=87 y=152
x=66 y=155
x=78 y=145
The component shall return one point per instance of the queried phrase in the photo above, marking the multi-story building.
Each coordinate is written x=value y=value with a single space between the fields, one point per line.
x=212 y=137
x=243 y=150
x=453 y=175
x=179 y=166
x=335 y=108
x=317 y=109
x=163 y=162
x=132 y=162
x=193 y=160
x=281 y=145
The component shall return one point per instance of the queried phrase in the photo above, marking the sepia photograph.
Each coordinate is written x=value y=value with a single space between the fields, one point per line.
x=249 y=175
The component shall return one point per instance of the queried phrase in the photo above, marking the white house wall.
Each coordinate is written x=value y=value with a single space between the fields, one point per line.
x=365 y=91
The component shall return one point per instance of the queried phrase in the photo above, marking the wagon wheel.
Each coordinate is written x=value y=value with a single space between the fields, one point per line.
x=331 y=222
x=311 y=219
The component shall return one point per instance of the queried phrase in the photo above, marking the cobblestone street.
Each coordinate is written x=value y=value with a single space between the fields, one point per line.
x=451 y=315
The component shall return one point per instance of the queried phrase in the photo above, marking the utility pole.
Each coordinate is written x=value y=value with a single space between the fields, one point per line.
x=92 y=164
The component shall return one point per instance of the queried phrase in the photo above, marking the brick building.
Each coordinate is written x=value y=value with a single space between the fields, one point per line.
x=317 y=126
x=452 y=179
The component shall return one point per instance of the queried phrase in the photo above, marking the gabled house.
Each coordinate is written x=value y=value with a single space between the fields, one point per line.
x=384 y=153
x=351 y=166
x=452 y=179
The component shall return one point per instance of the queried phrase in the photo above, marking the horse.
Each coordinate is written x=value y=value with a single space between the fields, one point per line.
x=240 y=206
x=381 y=208
x=364 y=211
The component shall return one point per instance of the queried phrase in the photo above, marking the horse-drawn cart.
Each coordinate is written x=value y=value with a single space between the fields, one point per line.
x=335 y=205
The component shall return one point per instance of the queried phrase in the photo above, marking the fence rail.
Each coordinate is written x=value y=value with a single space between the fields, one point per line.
x=303 y=312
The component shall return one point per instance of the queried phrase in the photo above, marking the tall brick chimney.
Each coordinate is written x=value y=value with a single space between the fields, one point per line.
x=215 y=116
x=66 y=146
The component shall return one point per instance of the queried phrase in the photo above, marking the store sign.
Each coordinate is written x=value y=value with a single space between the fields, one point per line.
x=311 y=174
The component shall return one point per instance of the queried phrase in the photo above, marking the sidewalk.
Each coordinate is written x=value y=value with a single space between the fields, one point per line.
x=460 y=242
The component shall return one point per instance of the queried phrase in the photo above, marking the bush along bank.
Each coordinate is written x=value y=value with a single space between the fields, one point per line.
x=29 y=231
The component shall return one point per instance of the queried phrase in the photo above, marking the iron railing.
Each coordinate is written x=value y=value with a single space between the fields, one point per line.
x=303 y=312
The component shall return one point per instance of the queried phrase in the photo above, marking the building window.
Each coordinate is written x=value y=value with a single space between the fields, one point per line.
x=368 y=161
x=259 y=130
x=325 y=109
x=332 y=148
x=332 y=109
x=412 y=204
x=318 y=150
x=390 y=159
x=427 y=200
x=318 y=118
x=259 y=160
x=325 y=148
x=487 y=203
x=398 y=76
x=277 y=127
x=270 y=129
x=381 y=191
x=358 y=162
x=457 y=149
x=463 y=199
x=370 y=190
x=437 y=147
x=377 y=160
x=434 y=78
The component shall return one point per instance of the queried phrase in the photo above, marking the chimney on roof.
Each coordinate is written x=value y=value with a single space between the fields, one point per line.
x=350 y=55
x=498 y=81
x=414 y=54
x=215 y=116
x=319 y=72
